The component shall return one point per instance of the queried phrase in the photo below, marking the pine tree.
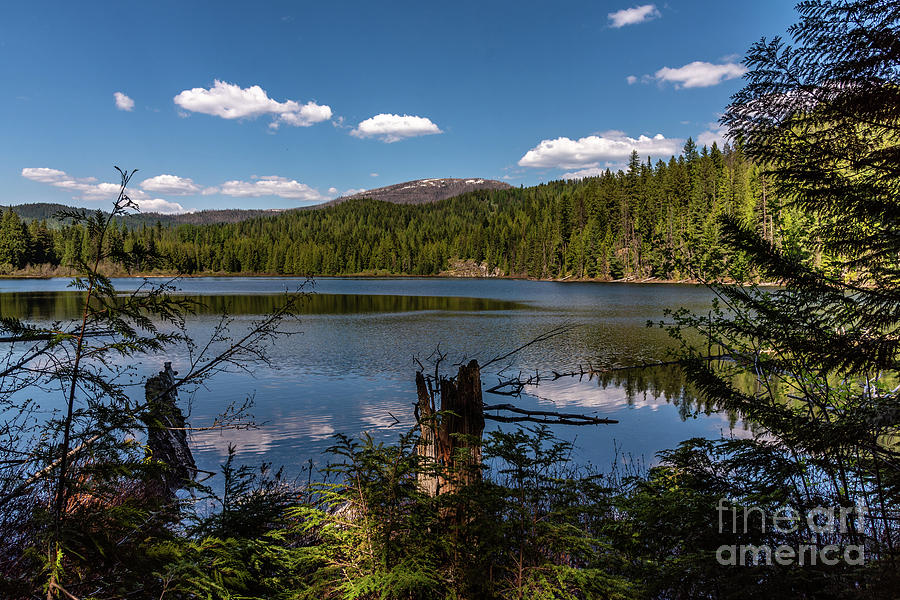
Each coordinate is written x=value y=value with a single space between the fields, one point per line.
x=13 y=241
x=822 y=118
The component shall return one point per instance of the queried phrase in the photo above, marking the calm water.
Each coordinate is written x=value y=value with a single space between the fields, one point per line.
x=351 y=366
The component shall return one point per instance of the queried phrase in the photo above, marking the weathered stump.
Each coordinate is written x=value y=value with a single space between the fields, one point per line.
x=167 y=432
x=427 y=448
x=452 y=438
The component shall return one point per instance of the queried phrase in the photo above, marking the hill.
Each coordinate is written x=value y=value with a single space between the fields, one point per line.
x=48 y=211
x=419 y=191
x=645 y=222
x=424 y=191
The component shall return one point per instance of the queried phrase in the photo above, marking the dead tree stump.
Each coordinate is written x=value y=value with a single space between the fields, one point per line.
x=427 y=448
x=452 y=437
x=167 y=433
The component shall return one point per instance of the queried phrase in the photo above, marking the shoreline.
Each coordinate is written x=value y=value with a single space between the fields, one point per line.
x=635 y=281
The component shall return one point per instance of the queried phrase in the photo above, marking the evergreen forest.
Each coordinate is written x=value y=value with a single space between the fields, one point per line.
x=647 y=221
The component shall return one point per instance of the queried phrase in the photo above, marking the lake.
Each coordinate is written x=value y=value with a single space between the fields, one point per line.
x=350 y=366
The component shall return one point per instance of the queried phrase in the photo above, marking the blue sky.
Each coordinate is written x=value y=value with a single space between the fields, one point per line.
x=278 y=104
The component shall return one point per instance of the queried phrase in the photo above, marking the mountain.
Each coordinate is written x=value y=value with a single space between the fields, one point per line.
x=638 y=224
x=38 y=211
x=420 y=191
x=46 y=211
x=423 y=191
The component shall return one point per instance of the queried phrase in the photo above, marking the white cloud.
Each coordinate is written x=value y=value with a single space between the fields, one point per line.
x=393 y=128
x=231 y=101
x=631 y=79
x=87 y=188
x=715 y=133
x=633 y=16
x=271 y=185
x=309 y=114
x=44 y=175
x=334 y=192
x=159 y=205
x=373 y=174
x=589 y=172
x=123 y=102
x=591 y=151
x=170 y=184
x=700 y=74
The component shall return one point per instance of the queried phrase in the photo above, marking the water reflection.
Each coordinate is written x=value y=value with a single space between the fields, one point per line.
x=352 y=369
x=61 y=306
x=650 y=388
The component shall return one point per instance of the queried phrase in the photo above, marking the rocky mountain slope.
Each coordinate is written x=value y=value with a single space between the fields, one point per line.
x=424 y=191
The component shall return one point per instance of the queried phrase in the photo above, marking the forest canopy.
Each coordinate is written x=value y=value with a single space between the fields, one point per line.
x=647 y=221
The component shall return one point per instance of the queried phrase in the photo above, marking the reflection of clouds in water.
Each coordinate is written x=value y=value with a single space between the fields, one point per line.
x=616 y=402
x=352 y=368
x=587 y=394
x=250 y=441
x=387 y=415
x=261 y=439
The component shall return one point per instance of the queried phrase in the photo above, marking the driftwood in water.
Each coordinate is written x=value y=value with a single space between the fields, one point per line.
x=550 y=417
x=167 y=432
x=451 y=438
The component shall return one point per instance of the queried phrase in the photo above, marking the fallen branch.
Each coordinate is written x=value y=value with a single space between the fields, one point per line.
x=517 y=384
x=541 y=338
x=52 y=335
x=540 y=416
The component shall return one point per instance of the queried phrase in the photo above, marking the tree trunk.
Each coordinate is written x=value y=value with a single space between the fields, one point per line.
x=453 y=438
x=427 y=448
x=167 y=434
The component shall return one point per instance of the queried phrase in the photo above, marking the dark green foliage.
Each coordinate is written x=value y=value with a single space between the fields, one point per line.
x=672 y=525
x=823 y=118
x=637 y=224
x=649 y=221
x=247 y=547
x=14 y=241
x=531 y=529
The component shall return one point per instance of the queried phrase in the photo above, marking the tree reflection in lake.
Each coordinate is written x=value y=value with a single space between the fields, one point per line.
x=350 y=368
x=55 y=306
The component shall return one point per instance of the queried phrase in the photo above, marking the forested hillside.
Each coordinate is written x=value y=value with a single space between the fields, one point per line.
x=646 y=221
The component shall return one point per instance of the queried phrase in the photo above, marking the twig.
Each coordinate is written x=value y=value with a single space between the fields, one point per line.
x=541 y=338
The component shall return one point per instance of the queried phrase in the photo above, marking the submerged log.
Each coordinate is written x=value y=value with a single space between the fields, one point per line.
x=167 y=433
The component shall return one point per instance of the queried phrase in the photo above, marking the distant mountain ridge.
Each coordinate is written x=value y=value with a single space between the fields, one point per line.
x=424 y=191
x=419 y=191
x=47 y=211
